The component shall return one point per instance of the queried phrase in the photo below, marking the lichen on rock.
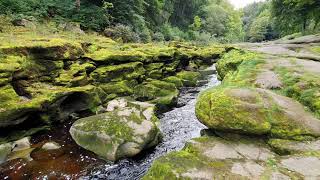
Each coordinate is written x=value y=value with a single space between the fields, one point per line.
x=124 y=131
x=255 y=111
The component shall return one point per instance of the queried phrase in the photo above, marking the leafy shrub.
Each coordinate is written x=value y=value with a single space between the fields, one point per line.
x=141 y=28
x=158 y=36
x=123 y=33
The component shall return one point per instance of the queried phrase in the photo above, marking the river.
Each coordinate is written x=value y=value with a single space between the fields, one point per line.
x=178 y=126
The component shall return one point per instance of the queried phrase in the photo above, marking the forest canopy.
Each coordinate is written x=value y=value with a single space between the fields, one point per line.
x=159 y=20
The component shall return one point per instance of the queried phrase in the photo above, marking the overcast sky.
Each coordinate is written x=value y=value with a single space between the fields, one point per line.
x=242 y=3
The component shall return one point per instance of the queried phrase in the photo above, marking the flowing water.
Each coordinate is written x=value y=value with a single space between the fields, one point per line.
x=178 y=126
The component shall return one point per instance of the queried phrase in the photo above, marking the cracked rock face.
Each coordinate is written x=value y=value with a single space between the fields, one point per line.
x=231 y=156
x=124 y=130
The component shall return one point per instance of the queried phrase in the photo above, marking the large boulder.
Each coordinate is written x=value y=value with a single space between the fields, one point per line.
x=255 y=111
x=124 y=131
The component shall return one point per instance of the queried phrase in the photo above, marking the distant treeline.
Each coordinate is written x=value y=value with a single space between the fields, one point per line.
x=158 y=20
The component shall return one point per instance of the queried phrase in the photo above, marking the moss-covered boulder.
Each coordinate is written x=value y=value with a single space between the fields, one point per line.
x=189 y=78
x=163 y=94
x=175 y=80
x=120 y=72
x=124 y=131
x=255 y=111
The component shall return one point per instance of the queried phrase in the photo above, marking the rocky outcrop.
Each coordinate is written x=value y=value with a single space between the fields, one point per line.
x=230 y=156
x=125 y=130
x=48 y=80
x=255 y=111
x=263 y=120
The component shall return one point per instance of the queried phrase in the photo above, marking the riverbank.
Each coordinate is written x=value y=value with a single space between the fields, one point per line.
x=107 y=92
x=262 y=120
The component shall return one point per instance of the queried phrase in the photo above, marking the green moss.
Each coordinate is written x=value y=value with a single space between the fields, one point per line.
x=315 y=49
x=122 y=88
x=120 y=72
x=154 y=70
x=230 y=61
x=76 y=75
x=51 y=48
x=173 y=165
x=175 y=80
x=162 y=93
x=217 y=109
x=249 y=111
x=189 y=78
x=245 y=75
x=302 y=87
x=117 y=56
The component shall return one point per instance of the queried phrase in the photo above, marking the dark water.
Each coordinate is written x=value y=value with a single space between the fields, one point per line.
x=178 y=126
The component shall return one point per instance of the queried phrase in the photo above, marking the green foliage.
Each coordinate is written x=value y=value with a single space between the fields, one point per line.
x=258 y=22
x=122 y=32
x=259 y=28
x=90 y=15
x=292 y=16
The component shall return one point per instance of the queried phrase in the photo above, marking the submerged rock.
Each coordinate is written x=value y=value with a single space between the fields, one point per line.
x=51 y=146
x=256 y=111
x=124 y=131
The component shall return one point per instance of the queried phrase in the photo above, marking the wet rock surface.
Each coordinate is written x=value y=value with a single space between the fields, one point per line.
x=46 y=160
x=262 y=97
x=127 y=128
x=177 y=126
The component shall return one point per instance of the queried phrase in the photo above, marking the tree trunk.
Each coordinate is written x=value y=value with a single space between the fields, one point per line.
x=304 y=25
x=78 y=4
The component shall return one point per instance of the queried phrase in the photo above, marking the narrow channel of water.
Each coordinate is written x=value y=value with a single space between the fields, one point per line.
x=178 y=126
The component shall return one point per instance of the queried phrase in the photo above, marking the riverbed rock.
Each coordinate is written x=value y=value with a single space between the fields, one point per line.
x=124 y=131
x=21 y=144
x=268 y=80
x=255 y=111
x=285 y=147
x=219 y=158
x=163 y=94
x=51 y=146
x=189 y=78
x=309 y=167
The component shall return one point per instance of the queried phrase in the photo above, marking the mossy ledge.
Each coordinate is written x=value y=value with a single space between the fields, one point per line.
x=249 y=102
x=47 y=80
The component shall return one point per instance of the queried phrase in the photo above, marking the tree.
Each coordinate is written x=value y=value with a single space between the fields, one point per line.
x=296 y=15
